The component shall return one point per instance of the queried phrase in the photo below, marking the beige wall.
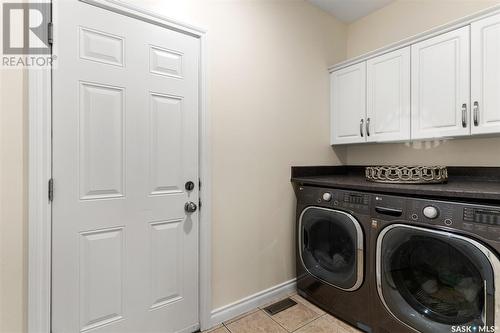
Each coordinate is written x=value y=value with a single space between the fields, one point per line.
x=399 y=20
x=269 y=95
x=13 y=204
x=405 y=18
x=268 y=98
x=13 y=230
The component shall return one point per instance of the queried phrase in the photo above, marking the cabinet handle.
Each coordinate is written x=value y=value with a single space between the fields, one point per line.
x=476 y=113
x=368 y=127
x=361 y=127
x=464 y=115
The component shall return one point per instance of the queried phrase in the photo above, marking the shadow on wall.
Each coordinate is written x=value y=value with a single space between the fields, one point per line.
x=449 y=152
x=341 y=153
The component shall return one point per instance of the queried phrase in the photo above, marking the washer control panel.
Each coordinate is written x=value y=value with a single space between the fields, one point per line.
x=356 y=198
x=327 y=196
x=430 y=212
x=478 y=219
x=490 y=216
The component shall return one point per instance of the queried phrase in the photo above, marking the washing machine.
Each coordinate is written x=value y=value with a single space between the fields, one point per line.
x=435 y=265
x=332 y=238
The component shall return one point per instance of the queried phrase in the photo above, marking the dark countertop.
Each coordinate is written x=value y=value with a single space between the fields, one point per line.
x=480 y=184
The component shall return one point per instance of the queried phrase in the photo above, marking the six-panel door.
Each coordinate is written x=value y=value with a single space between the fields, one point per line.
x=485 y=69
x=348 y=104
x=440 y=93
x=388 y=97
x=125 y=141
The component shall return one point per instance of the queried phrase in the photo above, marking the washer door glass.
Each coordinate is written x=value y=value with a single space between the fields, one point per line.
x=331 y=247
x=432 y=281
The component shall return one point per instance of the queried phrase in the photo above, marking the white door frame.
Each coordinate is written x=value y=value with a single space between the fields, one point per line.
x=40 y=171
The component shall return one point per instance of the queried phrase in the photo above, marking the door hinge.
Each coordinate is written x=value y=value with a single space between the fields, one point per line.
x=50 y=33
x=199 y=189
x=51 y=189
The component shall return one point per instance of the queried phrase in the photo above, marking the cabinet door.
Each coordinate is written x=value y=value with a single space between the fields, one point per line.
x=485 y=53
x=348 y=104
x=388 y=97
x=440 y=70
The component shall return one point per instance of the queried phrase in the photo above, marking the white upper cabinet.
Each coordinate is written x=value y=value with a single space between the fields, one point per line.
x=348 y=103
x=440 y=93
x=388 y=97
x=445 y=83
x=485 y=53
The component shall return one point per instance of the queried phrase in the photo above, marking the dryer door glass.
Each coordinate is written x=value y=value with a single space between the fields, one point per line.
x=331 y=247
x=432 y=280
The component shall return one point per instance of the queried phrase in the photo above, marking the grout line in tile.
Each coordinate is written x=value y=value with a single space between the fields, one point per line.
x=267 y=314
x=241 y=316
x=311 y=321
x=309 y=304
x=226 y=325
x=227 y=328
x=305 y=324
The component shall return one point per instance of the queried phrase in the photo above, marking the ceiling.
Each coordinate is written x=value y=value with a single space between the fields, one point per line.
x=350 y=10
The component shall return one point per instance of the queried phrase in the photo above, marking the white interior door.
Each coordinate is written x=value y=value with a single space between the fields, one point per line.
x=125 y=142
x=440 y=91
x=388 y=97
x=485 y=71
x=348 y=104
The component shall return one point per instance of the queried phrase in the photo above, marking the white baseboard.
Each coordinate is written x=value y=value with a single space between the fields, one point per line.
x=251 y=302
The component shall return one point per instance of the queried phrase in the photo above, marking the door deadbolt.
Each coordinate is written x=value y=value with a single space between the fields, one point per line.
x=189 y=186
x=190 y=207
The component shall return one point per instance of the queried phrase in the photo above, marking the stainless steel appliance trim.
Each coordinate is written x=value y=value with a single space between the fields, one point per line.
x=485 y=301
x=359 y=247
x=492 y=259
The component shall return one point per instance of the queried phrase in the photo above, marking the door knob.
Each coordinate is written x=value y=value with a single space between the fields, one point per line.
x=190 y=207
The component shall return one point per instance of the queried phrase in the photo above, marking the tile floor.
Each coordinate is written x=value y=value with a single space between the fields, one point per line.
x=303 y=317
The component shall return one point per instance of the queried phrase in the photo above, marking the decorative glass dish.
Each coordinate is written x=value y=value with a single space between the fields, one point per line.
x=400 y=174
